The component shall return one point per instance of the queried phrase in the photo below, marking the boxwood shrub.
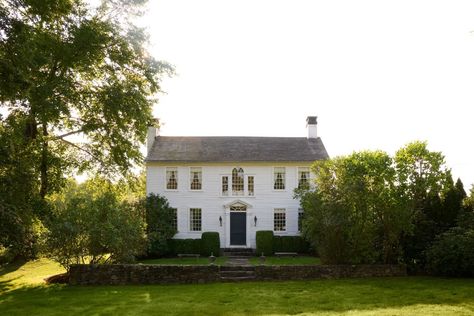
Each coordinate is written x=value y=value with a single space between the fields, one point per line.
x=210 y=244
x=186 y=246
x=264 y=239
x=290 y=244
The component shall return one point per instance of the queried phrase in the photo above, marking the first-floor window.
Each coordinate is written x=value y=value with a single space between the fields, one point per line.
x=175 y=219
x=195 y=219
x=279 y=220
x=300 y=219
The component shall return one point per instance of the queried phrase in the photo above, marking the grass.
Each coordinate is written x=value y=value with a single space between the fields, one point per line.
x=21 y=294
x=300 y=260
x=193 y=261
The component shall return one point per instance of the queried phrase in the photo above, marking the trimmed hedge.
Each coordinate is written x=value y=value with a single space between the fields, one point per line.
x=210 y=244
x=290 y=244
x=264 y=239
x=186 y=246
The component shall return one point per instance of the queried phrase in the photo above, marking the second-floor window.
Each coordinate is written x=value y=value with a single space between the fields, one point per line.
x=303 y=177
x=238 y=181
x=171 y=178
x=250 y=185
x=279 y=178
x=225 y=185
x=196 y=178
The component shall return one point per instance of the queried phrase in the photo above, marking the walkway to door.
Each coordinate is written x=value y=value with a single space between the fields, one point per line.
x=237 y=267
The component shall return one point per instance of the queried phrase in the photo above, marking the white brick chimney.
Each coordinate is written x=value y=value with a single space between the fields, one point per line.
x=311 y=125
x=153 y=131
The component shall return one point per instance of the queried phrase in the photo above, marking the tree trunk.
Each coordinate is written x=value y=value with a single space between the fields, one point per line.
x=44 y=163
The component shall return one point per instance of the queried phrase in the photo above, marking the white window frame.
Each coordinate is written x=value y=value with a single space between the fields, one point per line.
x=300 y=172
x=279 y=211
x=239 y=176
x=191 y=219
x=250 y=193
x=167 y=170
x=300 y=219
x=191 y=178
x=228 y=192
x=275 y=177
x=175 y=218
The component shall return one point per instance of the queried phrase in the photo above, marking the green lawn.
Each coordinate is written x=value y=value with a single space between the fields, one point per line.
x=201 y=260
x=20 y=294
x=306 y=260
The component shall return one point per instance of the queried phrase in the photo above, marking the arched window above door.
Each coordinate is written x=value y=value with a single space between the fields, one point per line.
x=237 y=181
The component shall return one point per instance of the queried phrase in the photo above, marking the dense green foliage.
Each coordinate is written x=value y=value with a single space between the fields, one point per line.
x=91 y=223
x=452 y=254
x=374 y=296
x=76 y=89
x=290 y=244
x=369 y=207
x=159 y=219
x=186 y=246
x=436 y=202
x=264 y=241
x=357 y=214
x=211 y=244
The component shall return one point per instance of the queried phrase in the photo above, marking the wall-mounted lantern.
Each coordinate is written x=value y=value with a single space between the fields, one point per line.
x=220 y=220
x=255 y=220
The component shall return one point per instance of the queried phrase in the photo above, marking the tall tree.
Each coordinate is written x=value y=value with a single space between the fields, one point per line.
x=81 y=82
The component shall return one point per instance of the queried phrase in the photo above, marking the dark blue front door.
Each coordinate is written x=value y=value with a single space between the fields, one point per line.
x=238 y=228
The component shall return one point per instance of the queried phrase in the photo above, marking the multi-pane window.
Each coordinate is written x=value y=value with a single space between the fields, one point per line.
x=279 y=220
x=279 y=178
x=303 y=177
x=195 y=219
x=171 y=178
x=225 y=185
x=175 y=219
x=300 y=219
x=238 y=181
x=196 y=178
x=250 y=185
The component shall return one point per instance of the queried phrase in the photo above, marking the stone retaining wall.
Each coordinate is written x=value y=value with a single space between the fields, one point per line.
x=119 y=274
x=308 y=272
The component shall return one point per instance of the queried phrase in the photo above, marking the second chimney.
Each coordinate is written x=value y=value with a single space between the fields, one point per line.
x=311 y=125
x=153 y=131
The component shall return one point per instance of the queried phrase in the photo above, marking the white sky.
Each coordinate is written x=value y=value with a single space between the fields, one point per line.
x=378 y=74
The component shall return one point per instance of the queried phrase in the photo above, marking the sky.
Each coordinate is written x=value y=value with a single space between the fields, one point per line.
x=378 y=74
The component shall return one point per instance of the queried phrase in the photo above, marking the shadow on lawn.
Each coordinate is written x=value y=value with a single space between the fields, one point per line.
x=245 y=298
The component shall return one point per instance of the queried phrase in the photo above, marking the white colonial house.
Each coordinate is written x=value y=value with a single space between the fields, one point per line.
x=232 y=185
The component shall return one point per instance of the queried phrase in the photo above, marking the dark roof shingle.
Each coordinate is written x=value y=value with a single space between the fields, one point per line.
x=233 y=149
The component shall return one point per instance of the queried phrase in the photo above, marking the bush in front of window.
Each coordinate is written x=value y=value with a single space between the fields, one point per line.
x=160 y=220
x=186 y=246
x=290 y=244
x=210 y=244
x=264 y=240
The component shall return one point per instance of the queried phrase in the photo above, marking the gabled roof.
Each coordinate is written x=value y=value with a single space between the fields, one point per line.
x=236 y=149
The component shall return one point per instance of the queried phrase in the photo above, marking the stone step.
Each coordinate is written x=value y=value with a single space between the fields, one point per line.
x=238 y=250
x=239 y=254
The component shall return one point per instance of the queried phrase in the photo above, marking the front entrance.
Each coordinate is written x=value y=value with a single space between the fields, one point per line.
x=238 y=228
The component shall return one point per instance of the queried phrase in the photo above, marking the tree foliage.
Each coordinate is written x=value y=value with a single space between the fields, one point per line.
x=159 y=218
x=93 y=223
x=357 y=213
x=79 y=82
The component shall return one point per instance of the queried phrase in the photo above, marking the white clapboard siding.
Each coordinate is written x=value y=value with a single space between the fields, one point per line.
x=211 y=201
